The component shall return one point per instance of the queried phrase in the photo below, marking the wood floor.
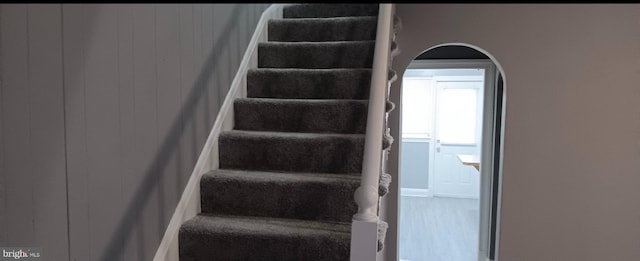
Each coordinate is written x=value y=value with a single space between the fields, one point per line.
x=438 y=229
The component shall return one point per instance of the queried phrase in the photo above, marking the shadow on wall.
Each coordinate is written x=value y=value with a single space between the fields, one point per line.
x=170 y=145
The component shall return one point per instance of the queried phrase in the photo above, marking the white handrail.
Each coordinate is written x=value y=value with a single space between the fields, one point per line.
x=365 y=222
x=189 y=204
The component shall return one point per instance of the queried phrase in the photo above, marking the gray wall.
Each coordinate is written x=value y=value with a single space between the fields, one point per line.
x=572 y=128
x=414 y=164
x=104 y=111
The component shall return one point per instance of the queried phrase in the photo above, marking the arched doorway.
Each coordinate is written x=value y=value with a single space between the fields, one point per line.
x=450 y=150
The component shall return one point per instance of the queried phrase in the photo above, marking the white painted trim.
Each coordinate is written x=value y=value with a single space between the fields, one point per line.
x=449 y=64
x=457 y=78
x=452 y=64
x=486 y=161
x=414 y=192
x=416 y=140
x=500 y=166
x=189 y=204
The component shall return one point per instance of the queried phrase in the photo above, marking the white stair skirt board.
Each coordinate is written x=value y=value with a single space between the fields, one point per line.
x=413 y=192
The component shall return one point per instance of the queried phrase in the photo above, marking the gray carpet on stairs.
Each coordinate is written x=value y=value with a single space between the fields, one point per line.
x=289 y=168
x=301 y=115
x=293 y=151
x=323 y=29
x=330 y=10
x=210 y=237
x=316 y=55
x=308 y=196
x=294 y=83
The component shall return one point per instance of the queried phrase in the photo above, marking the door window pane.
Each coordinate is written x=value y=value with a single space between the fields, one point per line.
x=457 y=115
x=417 y=112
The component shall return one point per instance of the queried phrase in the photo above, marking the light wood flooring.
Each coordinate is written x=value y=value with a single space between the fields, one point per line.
x=438 y=229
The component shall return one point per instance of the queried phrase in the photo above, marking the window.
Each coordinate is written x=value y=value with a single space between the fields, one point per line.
x=417 y=98
x=457 y=114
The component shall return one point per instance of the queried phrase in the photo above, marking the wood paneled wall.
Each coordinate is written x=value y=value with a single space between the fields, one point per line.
x=104 y=110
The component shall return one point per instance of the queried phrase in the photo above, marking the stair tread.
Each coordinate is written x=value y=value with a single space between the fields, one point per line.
x=210 y=224
x=281 y=176
x=320 y=83
x=330 y=54
x=309 y=70
x=300 y=101
x=292 y=135
x=336 y=19
x=291 y=151
x=301 y=115
x=236 y=237
x=351 y=28
x=313 y=44
x=298 y=195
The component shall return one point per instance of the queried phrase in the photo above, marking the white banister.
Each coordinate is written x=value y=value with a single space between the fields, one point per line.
x=365 y=222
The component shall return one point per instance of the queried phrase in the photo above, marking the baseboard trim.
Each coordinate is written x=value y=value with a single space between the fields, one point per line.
x=413 y=192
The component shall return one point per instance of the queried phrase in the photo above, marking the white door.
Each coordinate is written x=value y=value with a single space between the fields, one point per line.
x=457 y=131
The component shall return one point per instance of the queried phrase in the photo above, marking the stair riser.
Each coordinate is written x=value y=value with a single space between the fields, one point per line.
x=316 y=56
x=330 y=201
x=287 y=30
x=309 y=85
x=324 y=155
x=314 y=117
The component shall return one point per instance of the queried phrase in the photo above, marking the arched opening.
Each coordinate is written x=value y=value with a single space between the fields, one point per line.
x=452 y=108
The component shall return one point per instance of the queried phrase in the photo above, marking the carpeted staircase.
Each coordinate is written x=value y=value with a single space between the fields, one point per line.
x=289 y=168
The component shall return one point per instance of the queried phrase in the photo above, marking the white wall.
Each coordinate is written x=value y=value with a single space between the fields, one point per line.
x=104 y=109
x=571 y=178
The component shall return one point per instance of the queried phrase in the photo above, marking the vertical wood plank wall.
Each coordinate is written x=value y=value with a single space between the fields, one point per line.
x=104 y=109
x=3 y=208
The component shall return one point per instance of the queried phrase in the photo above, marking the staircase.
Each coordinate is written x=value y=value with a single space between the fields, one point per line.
x=289 y=168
